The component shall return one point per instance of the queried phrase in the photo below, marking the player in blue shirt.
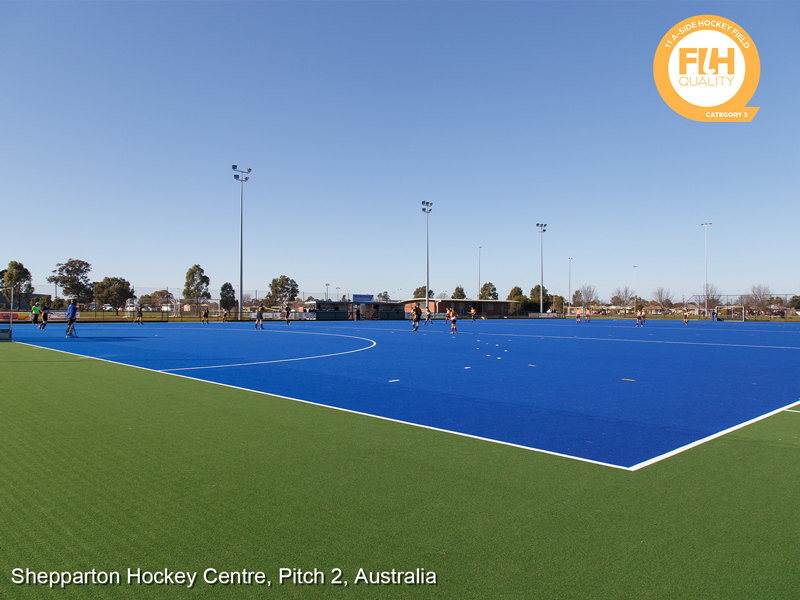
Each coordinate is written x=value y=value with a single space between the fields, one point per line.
x=72 y=315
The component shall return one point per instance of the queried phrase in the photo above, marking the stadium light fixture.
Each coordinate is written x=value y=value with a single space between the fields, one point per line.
x=705 y=291
x=427 y=207
x=542 y=229
x=241 y=181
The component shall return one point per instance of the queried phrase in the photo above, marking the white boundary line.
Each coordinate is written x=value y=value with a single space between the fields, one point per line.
x=346 y=410
x=268 y=362
x=714 y=436
x=633 y=468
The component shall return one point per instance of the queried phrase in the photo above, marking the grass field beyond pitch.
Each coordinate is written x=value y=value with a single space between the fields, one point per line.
x=107 y=467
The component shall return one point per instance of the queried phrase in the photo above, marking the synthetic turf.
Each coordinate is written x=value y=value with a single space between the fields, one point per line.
x=108 y=467
x=606 y=391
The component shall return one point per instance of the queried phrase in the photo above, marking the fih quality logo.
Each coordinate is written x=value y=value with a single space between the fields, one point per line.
x=707 y=69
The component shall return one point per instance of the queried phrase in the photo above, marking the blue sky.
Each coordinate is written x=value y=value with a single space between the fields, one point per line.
x=119 y=124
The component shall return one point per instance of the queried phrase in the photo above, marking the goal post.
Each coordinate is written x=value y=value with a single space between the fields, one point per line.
x=730 y=312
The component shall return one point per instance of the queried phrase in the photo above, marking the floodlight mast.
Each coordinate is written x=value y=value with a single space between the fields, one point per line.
x=705 y=292
x=569 y=285
x=241 y=181
x=542 y=229
x=427 y=208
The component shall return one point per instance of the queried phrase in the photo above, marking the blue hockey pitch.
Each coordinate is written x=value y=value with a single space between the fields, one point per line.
x=605 y=392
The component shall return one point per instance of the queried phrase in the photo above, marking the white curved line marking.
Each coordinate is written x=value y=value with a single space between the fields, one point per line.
x=373 y=343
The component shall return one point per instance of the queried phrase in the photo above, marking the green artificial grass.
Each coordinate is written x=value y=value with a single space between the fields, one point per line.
x=108 y=467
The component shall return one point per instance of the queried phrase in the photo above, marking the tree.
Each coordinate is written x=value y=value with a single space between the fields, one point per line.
x=577 y=298
x=662 y=297
x=535 y=299
x=383 y=297
x=488 y=292
x=16 y=276
x=73 y=279
x=114 y=291
x=196 y=286
x=248 y=300
x=524 y=303
x=777 y=302
x=282 y=290
x=623 y=296
x=227 y=296
x=760 y=297
x=515 y=292
x=420 y=292
x=745 y=301
x=795 y=302
x=714 y=297
x=459 y=293
x=159 y=298
x=589 y=294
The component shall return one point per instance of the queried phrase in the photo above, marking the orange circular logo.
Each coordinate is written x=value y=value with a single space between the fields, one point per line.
x=707 y=68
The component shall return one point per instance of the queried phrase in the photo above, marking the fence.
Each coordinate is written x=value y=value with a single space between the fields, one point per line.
x=765 y=304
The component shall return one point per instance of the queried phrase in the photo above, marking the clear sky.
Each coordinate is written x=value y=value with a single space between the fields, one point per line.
x=119 y=123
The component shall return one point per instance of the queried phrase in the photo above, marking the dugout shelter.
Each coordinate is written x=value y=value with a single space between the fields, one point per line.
x=483 y=308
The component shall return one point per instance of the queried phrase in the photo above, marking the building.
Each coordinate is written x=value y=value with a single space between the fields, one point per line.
x=484 y=308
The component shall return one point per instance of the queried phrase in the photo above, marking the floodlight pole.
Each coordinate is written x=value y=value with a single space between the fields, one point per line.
x=241 y=180
x=11 y=316
x=705 y=226
x=542 y=229
x=326 y=291
x=634 y=288
x=569 y=285
x=427 y=208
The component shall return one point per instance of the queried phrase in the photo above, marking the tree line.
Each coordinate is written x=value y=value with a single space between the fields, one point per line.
x=73 y=278
x=758 y=298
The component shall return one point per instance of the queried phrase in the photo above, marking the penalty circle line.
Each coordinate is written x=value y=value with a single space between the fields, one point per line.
x=373 y=343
